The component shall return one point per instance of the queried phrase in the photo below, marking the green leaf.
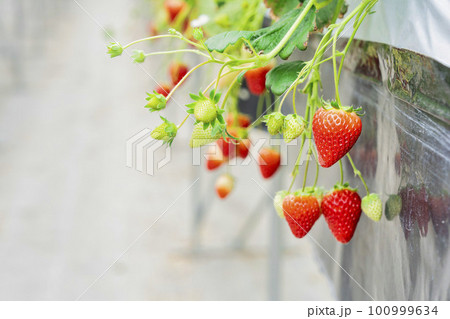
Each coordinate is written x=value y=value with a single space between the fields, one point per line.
x=266 y=39
x=280 y=7
x=280 y=78
x=325 y=14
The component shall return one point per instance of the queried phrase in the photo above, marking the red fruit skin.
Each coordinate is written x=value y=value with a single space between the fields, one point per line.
x=243 y=148
x=268 y=161
x=177 y=71
x=335 y=133
x=227 y=147
x=301 y=212
x=163 y=89
x=242 y=120
x=224 y=185
x=214 y=162
x=173 y=8
x=256 y=79
x=342 y=210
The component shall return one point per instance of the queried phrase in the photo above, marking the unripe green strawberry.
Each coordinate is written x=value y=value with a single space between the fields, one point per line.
x=293 y=127
x=205 y=108
x=114 y=49
x=393 y=206
x=274 y=122
x=371 y=206
x=202 y=136
x=156 y=101
x=205 y=111
x=165 y=131
x=138 y=56
x=278 y=202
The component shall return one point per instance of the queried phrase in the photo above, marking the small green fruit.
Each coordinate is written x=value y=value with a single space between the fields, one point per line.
x=156 y=101
x=165 y=131
x=371 y=205
x=393 y=206
x=274 y=122
x=293 y=127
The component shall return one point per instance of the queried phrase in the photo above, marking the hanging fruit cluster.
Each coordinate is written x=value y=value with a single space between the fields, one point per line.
x=247 y=51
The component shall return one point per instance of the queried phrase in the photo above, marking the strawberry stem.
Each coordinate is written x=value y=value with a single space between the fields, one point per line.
x=186 y=76
x=358 y=172
x=177 y=51
x=181 y=124
x=341 y=172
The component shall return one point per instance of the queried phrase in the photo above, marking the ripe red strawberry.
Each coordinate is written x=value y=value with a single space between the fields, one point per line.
x=229 y=146
x=335 y=133
x=163 y=89
x=301 y=211
x=268 y=161
x=224 y=185
x=342 y=209
x=256 y=79
x=242 y=120
x=173 y=8
x=214 y=158
x=243 y=147
x=177 y=71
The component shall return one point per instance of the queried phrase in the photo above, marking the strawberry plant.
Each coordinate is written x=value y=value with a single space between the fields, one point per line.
x=229 y=34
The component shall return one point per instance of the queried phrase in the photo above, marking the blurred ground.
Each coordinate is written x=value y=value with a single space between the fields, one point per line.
x=69 y=206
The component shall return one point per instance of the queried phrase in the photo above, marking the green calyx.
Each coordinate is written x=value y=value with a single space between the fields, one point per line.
x=165 y=131
x=293 y=127
x=274 y=122
x=340 y=186
x=329 y=105
x=317 y=192
x=114 y=49
x=138 y=56
x=205 y=110
x=156 y=101
x=371 y=206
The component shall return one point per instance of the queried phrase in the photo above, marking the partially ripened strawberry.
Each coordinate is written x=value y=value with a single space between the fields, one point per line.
x=341 y=208
x=293 y=127
x=256 y=79
x=163 y=89
x=177 y=71
x=214 y=158
x=301 y=210
x=224 y=185
x=173 y=8
x=371 y=206
x=241 y=120
x=201 y=136
x=335 y=133
x=274 y=122
x=268 y=161
x=278 y=202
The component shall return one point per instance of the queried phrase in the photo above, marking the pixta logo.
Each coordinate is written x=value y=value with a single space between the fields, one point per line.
x=142 y=150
